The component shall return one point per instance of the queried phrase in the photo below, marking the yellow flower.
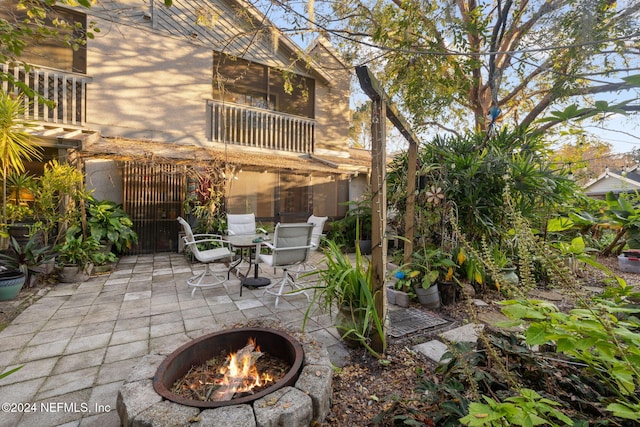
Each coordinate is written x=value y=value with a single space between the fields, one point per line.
x=462 y=257
x=449 y=275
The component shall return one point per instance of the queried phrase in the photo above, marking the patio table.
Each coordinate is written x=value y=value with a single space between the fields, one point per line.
x=245 y=243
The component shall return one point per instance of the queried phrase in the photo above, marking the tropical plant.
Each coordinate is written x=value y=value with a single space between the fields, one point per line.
x=354 y=226
x=625 y=215
x=347 y=287
x=16 y=145
x=26 y=258
x=603 y=335
x=403 y=278
x=103 y=258
x=434 y=264
x=76 y=250
x=108 y=222
x=527 y=408
x=59 y=200
x=458 y=175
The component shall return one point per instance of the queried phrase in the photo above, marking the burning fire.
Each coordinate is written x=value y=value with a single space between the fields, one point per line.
x=240 y=374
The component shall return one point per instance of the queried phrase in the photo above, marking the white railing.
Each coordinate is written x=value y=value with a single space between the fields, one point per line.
x=255 y=127
x=62 y=94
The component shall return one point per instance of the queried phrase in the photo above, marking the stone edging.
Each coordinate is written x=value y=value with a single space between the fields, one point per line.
x=309 y=401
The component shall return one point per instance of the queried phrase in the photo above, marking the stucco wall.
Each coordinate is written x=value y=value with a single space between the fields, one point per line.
x=157 y=92
x=104 y=178
x=332 y=105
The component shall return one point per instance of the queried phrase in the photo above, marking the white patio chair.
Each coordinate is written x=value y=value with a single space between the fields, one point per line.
x=290 y=247
x=316 y=236
x=242 y=224
x=318 y=229
x=220 y=252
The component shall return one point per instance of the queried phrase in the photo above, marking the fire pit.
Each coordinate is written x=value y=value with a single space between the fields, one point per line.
x=197 y=352
x=302 y=396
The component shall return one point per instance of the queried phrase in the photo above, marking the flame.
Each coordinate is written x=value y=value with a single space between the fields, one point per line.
x=241 y=375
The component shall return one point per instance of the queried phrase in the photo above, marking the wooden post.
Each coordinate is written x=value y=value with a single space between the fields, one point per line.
x=409 y=215
x=379 y=213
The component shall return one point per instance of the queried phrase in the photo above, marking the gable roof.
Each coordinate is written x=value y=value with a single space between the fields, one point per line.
x=624 y=181
x=233 y=27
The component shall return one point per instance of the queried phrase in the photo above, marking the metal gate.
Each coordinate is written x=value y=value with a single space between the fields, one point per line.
x=153 y=195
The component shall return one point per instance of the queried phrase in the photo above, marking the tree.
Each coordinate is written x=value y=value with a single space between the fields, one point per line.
x=587 y=159
x=460 y=64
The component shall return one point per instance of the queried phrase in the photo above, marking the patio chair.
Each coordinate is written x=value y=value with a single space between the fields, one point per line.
x=318 y=229
x=220 y=252
x=316 y=236
x=291 y=246
x=238 y=225
x=242 y=224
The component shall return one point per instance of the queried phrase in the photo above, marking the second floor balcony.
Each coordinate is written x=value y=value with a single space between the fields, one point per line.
x=62 y=94
x=246 y=126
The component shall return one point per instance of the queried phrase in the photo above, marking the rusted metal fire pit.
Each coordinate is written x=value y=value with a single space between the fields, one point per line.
x=197 y=352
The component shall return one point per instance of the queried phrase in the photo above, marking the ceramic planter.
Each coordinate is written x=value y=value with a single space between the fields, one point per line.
x=10 y=284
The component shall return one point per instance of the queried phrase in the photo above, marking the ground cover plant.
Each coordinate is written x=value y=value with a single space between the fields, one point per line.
x=572 y=362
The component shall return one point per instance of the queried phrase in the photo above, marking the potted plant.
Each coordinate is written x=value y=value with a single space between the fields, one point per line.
x=29 y=257
x=109 y=224
x=17 y=145
x=103 y=261
x=74 y=257
x=11 y=282
x=403 y=287
x=434 y=264
x=347 y=286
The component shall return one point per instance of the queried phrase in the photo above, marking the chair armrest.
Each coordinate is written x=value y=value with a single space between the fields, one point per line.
x=214 y=239
x=292 y=248
x=268 y=245
x=207 y=236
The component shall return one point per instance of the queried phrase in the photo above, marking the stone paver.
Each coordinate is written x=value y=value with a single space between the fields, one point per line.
x=81 y=341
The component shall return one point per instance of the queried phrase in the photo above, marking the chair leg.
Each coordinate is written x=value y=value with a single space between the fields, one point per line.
x=287 y=280
x=198 y=281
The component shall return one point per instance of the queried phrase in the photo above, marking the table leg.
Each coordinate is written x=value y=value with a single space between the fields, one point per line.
x=254 y=281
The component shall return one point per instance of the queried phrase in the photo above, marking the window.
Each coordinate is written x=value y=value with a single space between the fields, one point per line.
x=50 y=51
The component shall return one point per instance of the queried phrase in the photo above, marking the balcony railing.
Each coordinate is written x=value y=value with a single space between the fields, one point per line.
x=255 y=127
x=65 y=91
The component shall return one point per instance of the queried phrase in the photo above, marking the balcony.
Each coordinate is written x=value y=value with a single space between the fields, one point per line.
x=65 y=91
x=255 y=127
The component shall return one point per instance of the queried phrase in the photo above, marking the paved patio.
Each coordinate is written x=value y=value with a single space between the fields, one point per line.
x=79 y=341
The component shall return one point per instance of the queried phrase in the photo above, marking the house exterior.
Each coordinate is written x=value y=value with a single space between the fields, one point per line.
x=622 y=181
x=163 y=103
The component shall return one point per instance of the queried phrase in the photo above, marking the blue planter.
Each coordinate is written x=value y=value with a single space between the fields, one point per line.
x=10 y=284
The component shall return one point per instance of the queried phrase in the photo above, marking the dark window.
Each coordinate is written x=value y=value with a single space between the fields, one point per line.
x=54 y=50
